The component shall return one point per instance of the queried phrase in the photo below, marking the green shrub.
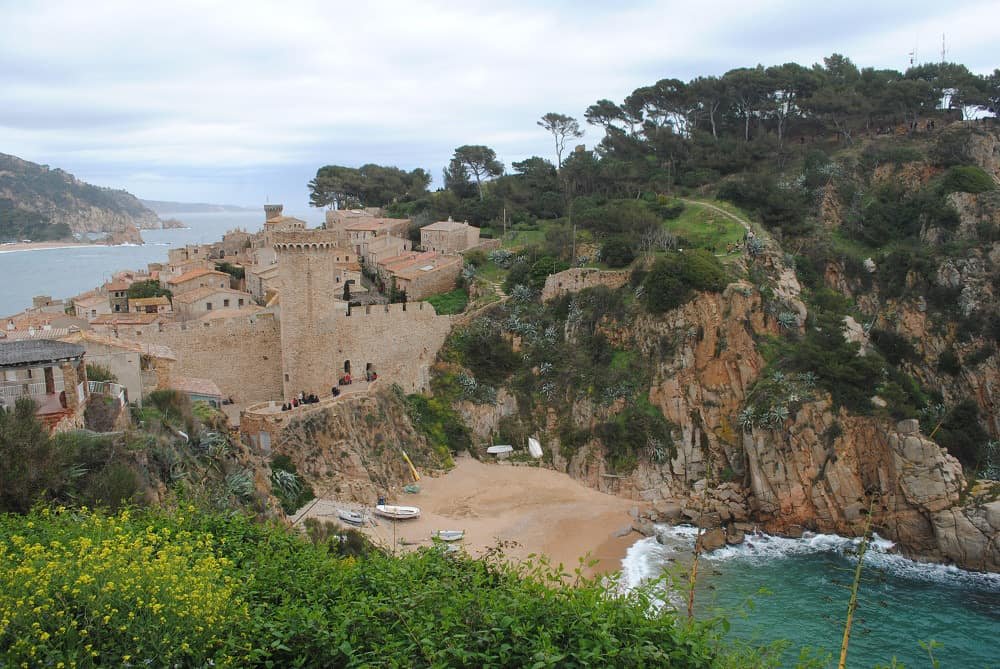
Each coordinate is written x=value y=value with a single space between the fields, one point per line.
x=440 y=424
x=962 y=435
x=675 y=276
x=949 y=363
x=292 y=490
x=221 y=590
x=96 y=372
x=453 y=302
x=617 y=252
x=148 y=288
x=967 y=179
x=893 y=346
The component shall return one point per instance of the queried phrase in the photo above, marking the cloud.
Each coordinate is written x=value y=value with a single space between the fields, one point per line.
x=255 y=91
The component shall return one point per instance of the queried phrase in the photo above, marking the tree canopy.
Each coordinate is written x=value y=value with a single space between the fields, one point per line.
x=366 y=186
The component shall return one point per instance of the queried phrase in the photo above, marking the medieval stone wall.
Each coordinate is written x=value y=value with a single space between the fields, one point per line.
x=577 y=279
x=399 y=342
x=242 y=355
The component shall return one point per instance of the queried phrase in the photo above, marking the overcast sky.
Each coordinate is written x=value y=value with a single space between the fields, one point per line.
x=240 y=102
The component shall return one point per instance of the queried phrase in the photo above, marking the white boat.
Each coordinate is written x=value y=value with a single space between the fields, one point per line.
x=448 y=535
x=500 y=449
x=397 y=512
x=352 y=517
x=534 y=448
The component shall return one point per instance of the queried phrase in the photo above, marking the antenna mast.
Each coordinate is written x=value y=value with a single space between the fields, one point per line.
x=943 y=50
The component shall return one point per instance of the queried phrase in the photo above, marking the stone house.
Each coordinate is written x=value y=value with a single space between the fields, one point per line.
x=91 y=307
x=188 y=253
x=449 y=237
x=111 y=322
x=199 y=278
x=421 y=279
x=140 y=367
x=52 y=373
x=117 y=296
x=195 y=303
x=380 y=248
x=262 y=282
x=151 y=305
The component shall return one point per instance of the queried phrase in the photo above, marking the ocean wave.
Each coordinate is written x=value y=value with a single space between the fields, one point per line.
x=646 y=558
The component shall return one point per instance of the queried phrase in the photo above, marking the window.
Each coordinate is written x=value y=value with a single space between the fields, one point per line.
x=208 y=306
x=241 y=303
x=225 y=303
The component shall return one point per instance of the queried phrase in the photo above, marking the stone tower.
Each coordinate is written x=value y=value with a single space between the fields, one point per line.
x=272 y=211
x=308 y=270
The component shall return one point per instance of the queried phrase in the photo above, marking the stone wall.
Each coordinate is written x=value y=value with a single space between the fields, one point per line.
x=242 y=355
x=400 y=342
x=577 y=279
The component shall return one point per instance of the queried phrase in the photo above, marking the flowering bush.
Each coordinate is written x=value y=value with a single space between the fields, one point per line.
x=80 y=589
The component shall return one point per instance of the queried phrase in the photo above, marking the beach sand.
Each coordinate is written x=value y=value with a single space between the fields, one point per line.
x=39 y=246
x=541 y=510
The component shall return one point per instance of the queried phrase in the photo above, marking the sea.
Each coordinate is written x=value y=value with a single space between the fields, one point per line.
x=67 y=271
x=773 y=589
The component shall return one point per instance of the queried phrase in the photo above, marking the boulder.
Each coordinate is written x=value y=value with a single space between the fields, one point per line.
x=734 y=537
x=713 y=539
x=668 y=511
x=644 y=527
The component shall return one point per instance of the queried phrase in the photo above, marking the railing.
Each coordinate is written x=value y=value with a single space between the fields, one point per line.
x=12 y=391
x=110 y=389
x=273 y=407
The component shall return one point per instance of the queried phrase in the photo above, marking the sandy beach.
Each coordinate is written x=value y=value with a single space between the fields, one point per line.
x=541 y=510
x=41 y=246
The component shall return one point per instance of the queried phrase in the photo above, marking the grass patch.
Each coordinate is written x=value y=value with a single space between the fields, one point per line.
x=705 y=228
x=449 y=303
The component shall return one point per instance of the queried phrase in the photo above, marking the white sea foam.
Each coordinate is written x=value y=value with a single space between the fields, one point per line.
x=645 y=559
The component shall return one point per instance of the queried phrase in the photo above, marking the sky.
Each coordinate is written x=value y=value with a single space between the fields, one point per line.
x=241 y=102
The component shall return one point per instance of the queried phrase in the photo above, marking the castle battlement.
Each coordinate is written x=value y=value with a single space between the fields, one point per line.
x=236 y=323
x=424 y=309
x=305 y=240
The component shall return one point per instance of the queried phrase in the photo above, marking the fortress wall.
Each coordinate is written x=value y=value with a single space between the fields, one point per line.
x=242 y=355
x=578 y=278
x=399 y=341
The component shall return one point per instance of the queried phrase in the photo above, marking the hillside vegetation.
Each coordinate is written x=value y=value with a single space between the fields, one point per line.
x=40 y=203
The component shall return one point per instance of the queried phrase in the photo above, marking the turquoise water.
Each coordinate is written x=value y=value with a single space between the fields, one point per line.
x=64 y=272
x=799 y=590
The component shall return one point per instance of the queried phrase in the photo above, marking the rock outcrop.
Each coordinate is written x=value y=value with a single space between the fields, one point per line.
x=352 y=450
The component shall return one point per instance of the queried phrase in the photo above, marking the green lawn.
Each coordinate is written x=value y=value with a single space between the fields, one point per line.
x=522 y=238
x=705 y=228
x=449 y=303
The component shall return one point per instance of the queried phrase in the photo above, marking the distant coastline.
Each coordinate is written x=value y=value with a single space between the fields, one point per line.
x=164 y=208
x=48 y=246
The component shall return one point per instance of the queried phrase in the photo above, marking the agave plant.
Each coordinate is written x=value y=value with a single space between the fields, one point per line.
x=747 y=418
x=286 y=483
x=777 y=415
x=788 y=320
x=240 y=485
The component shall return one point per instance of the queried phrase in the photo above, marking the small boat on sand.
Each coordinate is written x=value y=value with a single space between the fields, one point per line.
x=534 y=448
x=500 y=450
x=448 y=535
x=397 y=512
x=352 y=517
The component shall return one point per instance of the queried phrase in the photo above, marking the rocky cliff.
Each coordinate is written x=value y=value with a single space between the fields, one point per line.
x=352 y=450
x=57 y=199
x=793 y=463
